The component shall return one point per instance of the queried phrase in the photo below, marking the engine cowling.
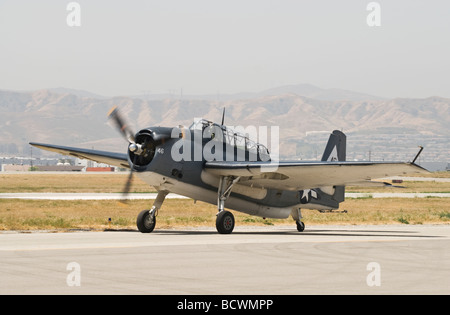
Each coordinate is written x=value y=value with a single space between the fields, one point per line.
x=142 y=151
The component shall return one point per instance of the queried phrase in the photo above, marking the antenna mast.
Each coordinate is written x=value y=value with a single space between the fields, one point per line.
x=223 y=116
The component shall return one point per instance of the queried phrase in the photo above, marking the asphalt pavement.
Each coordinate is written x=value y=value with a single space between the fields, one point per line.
x=388 y=259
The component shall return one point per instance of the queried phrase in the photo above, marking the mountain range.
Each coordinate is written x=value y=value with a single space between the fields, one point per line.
x=304 y=113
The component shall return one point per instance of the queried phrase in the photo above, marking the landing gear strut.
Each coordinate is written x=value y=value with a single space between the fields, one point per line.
x=297 y=216
x=225 y=219
x=146 y=220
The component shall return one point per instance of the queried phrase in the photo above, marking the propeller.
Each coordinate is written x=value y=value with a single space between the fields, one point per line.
x=129 y=182
x=128 y=134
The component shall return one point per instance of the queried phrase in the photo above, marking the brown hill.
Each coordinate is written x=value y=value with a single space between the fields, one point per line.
x=69 y=119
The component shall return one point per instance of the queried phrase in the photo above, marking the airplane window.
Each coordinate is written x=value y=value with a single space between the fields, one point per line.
x=199 y=124
x=263 y=153
x=252 y=151
x=229 y=136
x=213 y=131
x=240 y=141
x=246 y=147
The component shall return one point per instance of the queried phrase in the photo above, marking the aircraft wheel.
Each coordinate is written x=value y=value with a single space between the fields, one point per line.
x=144 y=223
x=225 y=222
x=300 y=226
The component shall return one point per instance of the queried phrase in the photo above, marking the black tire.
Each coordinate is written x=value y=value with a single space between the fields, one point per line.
x=300 y=226
x=143 y=223
x=225 y=222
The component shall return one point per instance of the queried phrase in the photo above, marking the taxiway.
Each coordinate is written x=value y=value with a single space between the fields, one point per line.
x=152 y=196
x=252 y=260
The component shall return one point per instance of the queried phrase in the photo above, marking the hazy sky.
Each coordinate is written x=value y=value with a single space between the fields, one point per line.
x=226 y=46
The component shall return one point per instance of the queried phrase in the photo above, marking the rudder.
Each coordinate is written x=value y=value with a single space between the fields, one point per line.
x=336 y=151
x=336 y=147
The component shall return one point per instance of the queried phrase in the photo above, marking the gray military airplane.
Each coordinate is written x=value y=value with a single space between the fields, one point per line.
x=212 y=163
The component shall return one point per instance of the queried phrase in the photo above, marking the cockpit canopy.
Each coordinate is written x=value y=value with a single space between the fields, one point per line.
x=238 y=137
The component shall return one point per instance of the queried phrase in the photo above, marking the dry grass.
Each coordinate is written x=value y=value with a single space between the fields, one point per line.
x=442 y=174
x=69 y=183
x=409 y=187
x=18 y=214
x=388 y=211
x=94 y=215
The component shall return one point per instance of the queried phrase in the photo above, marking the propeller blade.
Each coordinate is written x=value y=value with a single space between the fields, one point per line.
x=126 y=132
x=127 y=188
x=115 y=116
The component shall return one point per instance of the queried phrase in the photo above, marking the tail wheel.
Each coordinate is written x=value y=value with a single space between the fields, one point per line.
x=300 y=226
x=225 y=222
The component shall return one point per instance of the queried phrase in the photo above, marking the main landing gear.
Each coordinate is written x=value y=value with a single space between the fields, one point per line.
x=146 y=220
x=225 y=222
x=225 y=219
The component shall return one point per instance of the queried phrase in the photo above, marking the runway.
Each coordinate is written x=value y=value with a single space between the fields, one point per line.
x=389 y=259
x=151 y=196
x=85 y=196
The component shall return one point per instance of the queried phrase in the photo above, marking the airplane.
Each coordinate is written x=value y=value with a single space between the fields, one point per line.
x=238 y=173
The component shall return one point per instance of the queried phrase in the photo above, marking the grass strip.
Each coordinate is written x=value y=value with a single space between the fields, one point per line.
x=64 y=215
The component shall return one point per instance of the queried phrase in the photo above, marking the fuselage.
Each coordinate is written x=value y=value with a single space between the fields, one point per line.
x=175 y=162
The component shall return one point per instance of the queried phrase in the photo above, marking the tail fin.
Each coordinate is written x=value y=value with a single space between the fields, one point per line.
x=336 y=151
x=336 y=147
x=328 y=198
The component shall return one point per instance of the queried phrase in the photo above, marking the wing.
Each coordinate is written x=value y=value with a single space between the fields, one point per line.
x=307 y=175
x=111 y=158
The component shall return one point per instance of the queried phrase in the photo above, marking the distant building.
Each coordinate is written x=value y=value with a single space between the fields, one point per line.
x=92 y=166
x=100 y=169
x=59 y=168
x=15 y=168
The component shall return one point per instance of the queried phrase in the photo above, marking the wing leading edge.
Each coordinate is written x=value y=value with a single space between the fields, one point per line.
x=111 y=158
x=307 y=175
